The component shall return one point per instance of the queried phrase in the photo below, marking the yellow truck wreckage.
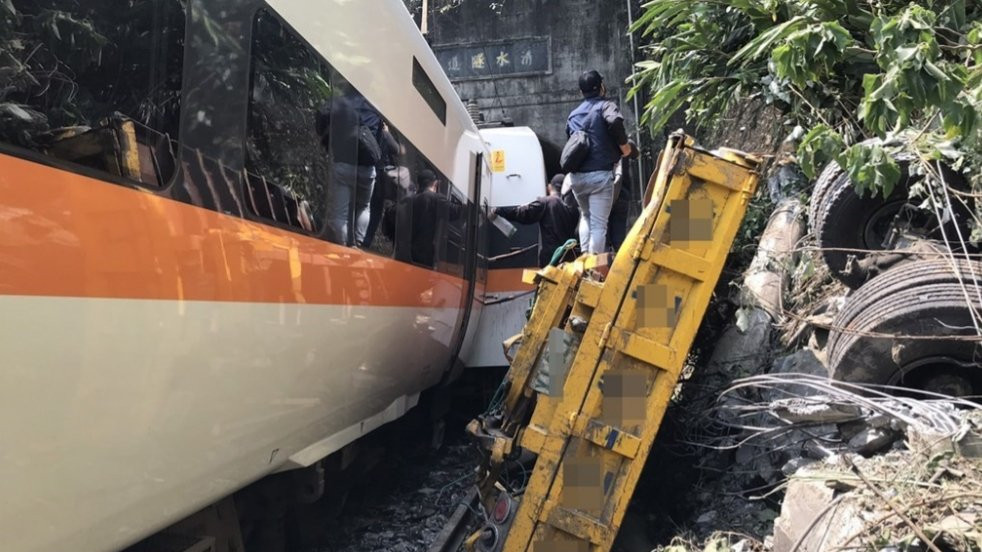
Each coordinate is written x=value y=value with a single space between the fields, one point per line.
x=597 y=363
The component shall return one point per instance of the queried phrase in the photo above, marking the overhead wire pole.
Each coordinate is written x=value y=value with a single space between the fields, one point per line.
x=423 y=26
x=637 y=111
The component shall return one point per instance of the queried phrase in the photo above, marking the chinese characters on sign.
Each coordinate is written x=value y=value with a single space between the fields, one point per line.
x=520 y=56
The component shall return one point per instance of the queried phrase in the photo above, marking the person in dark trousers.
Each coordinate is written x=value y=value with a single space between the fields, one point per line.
x=593 y=180
x=390 y=149
x=353 y=155
x=428 y=212
x=557 y=217
x=619 y=211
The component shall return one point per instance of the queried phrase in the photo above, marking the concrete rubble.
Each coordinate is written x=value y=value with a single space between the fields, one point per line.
x=790 y=461
x=895 y=501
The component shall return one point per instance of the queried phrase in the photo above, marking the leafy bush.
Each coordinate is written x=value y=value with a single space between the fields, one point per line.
x=844 y=71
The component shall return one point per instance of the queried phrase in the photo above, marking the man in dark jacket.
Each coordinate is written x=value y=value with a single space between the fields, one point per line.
x=557 y=218
x=428 y=213
x=593 y=180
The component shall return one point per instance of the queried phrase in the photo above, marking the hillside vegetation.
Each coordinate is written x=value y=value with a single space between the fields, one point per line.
x=861 y=82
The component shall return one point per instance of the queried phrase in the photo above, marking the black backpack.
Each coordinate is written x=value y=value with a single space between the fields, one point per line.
x=577 y=147
x=575 y=151
x=369 y=152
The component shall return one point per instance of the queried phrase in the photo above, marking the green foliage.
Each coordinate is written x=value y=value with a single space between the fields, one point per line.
x=820 y=145
x=871 y=168
x=808 y=55
x=908 y=73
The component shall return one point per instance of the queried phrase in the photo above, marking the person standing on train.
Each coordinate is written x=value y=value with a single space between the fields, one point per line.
x=557 y=217
x=599 y=121
x=369 y=159
x=347 y=132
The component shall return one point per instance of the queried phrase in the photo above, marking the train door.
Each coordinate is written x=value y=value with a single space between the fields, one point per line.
x=518 y=176
x=473 y=251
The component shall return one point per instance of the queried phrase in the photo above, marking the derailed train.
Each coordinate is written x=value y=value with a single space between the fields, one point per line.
x=203 y=281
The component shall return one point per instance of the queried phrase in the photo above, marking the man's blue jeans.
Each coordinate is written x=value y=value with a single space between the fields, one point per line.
x=594 y=192
x=348 y=198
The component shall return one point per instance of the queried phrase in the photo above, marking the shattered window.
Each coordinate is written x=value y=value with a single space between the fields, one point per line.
x=289 y=120
x=94 y=83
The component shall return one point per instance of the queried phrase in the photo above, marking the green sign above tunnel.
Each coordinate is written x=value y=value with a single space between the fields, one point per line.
x=501 y=58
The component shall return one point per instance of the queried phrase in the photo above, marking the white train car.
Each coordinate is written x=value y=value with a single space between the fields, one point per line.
x=236 y=236
x=518 y=176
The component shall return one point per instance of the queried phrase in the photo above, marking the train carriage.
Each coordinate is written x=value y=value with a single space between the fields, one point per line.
x=203 y=254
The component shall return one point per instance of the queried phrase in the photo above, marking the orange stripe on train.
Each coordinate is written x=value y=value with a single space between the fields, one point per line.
x=68 y=235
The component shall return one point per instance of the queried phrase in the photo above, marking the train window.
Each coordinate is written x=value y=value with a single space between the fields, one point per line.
x=425 y=221
x=424 y=85
x=94 y=85
x=423 y=218
x=313 y=140
x=320 y=157
x=287 y=167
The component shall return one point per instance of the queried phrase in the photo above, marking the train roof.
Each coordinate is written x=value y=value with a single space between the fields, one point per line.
x=373 y=44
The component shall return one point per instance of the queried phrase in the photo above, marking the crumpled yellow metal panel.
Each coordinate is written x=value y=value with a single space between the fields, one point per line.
x=633 y=332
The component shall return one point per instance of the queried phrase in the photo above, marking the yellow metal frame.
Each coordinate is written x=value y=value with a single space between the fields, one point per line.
x=599 y=441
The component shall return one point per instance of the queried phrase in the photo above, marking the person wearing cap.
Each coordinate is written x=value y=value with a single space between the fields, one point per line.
x=556 y=215
x=593 y=181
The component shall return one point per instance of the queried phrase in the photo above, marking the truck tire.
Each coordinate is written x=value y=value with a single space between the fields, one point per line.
x=843 y=220
x=919 y=299
x=822 y=184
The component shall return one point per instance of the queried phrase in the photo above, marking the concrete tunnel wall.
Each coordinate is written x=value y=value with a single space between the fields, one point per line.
x=583 y=34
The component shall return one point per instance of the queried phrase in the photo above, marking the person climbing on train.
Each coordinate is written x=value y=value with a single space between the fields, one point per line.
x=556 y=215
x=597 y=141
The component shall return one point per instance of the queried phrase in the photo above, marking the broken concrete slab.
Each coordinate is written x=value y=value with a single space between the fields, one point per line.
x=766 y=279
x=804 y=501
x=814 y=518
x=806 y=411
x=928 y=443
x=969 y=442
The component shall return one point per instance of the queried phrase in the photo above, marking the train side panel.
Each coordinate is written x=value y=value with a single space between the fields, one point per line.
x=158 y=355
x=165 y=341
